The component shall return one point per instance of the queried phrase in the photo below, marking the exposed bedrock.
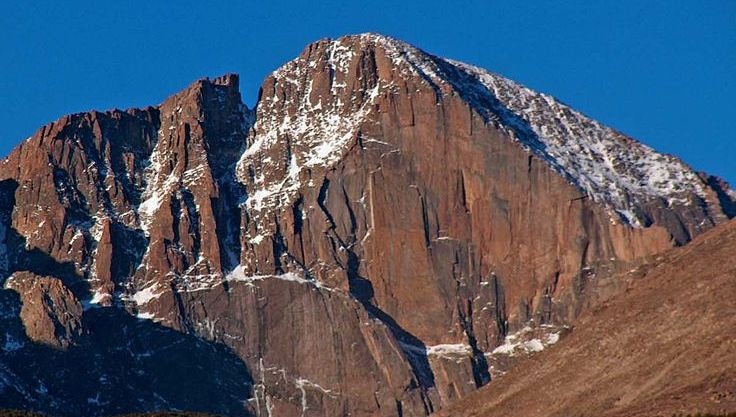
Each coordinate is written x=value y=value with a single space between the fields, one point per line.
x=358 y=243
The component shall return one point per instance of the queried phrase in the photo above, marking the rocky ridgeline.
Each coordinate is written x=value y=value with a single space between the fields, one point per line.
x=367 y=240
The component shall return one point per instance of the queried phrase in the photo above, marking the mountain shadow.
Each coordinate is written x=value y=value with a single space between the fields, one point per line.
x=117 y=364
x=121 y=364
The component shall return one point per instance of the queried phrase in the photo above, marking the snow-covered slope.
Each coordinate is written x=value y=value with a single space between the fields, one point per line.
x=612 y=168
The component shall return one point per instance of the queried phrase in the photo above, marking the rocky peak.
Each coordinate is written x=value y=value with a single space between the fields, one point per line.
x=380 y=206
x=189 y=205
x=308 y=113
x=202 y=129
x=317 y=102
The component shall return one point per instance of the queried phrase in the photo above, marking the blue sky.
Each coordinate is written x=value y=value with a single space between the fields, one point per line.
x=661 y=71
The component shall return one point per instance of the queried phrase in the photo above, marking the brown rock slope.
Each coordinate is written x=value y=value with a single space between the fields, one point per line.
x=665 y=346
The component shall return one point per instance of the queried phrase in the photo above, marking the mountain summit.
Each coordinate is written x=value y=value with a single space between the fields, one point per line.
x=371 y=239
x=611 y=168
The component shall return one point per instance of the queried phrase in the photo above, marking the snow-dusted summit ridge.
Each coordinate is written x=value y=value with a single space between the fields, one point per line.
x=609 y=167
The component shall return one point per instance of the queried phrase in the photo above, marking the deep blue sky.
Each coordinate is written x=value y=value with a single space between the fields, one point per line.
x=663 y=72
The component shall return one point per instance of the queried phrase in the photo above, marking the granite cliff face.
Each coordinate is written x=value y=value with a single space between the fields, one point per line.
x=361 y=242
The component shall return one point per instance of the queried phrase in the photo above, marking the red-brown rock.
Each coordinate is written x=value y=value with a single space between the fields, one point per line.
x=362 y=240
x=51 y=314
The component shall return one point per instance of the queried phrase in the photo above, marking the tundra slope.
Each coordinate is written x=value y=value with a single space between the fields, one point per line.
x=663 y=347
x=363 y=240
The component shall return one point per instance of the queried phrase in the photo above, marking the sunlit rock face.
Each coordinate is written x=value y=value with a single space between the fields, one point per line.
x=367 y=240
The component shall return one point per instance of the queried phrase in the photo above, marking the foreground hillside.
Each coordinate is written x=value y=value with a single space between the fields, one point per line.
x=665 y=346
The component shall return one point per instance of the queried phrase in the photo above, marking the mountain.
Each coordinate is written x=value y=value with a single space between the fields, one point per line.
x=664 y=347
x=371 y=239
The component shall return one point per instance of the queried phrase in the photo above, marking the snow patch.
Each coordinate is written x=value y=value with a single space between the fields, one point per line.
x=97 y=298
x=445 y=351
x=145 y=295
x=528 y=340
x=239 y=275
x=145 y=316
x=449 y=349
x=534 y=345
x=256 y=240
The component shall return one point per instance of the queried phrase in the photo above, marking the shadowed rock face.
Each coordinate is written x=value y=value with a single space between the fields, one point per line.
x=119 y=364
x=50 y=313
x=362 y=240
